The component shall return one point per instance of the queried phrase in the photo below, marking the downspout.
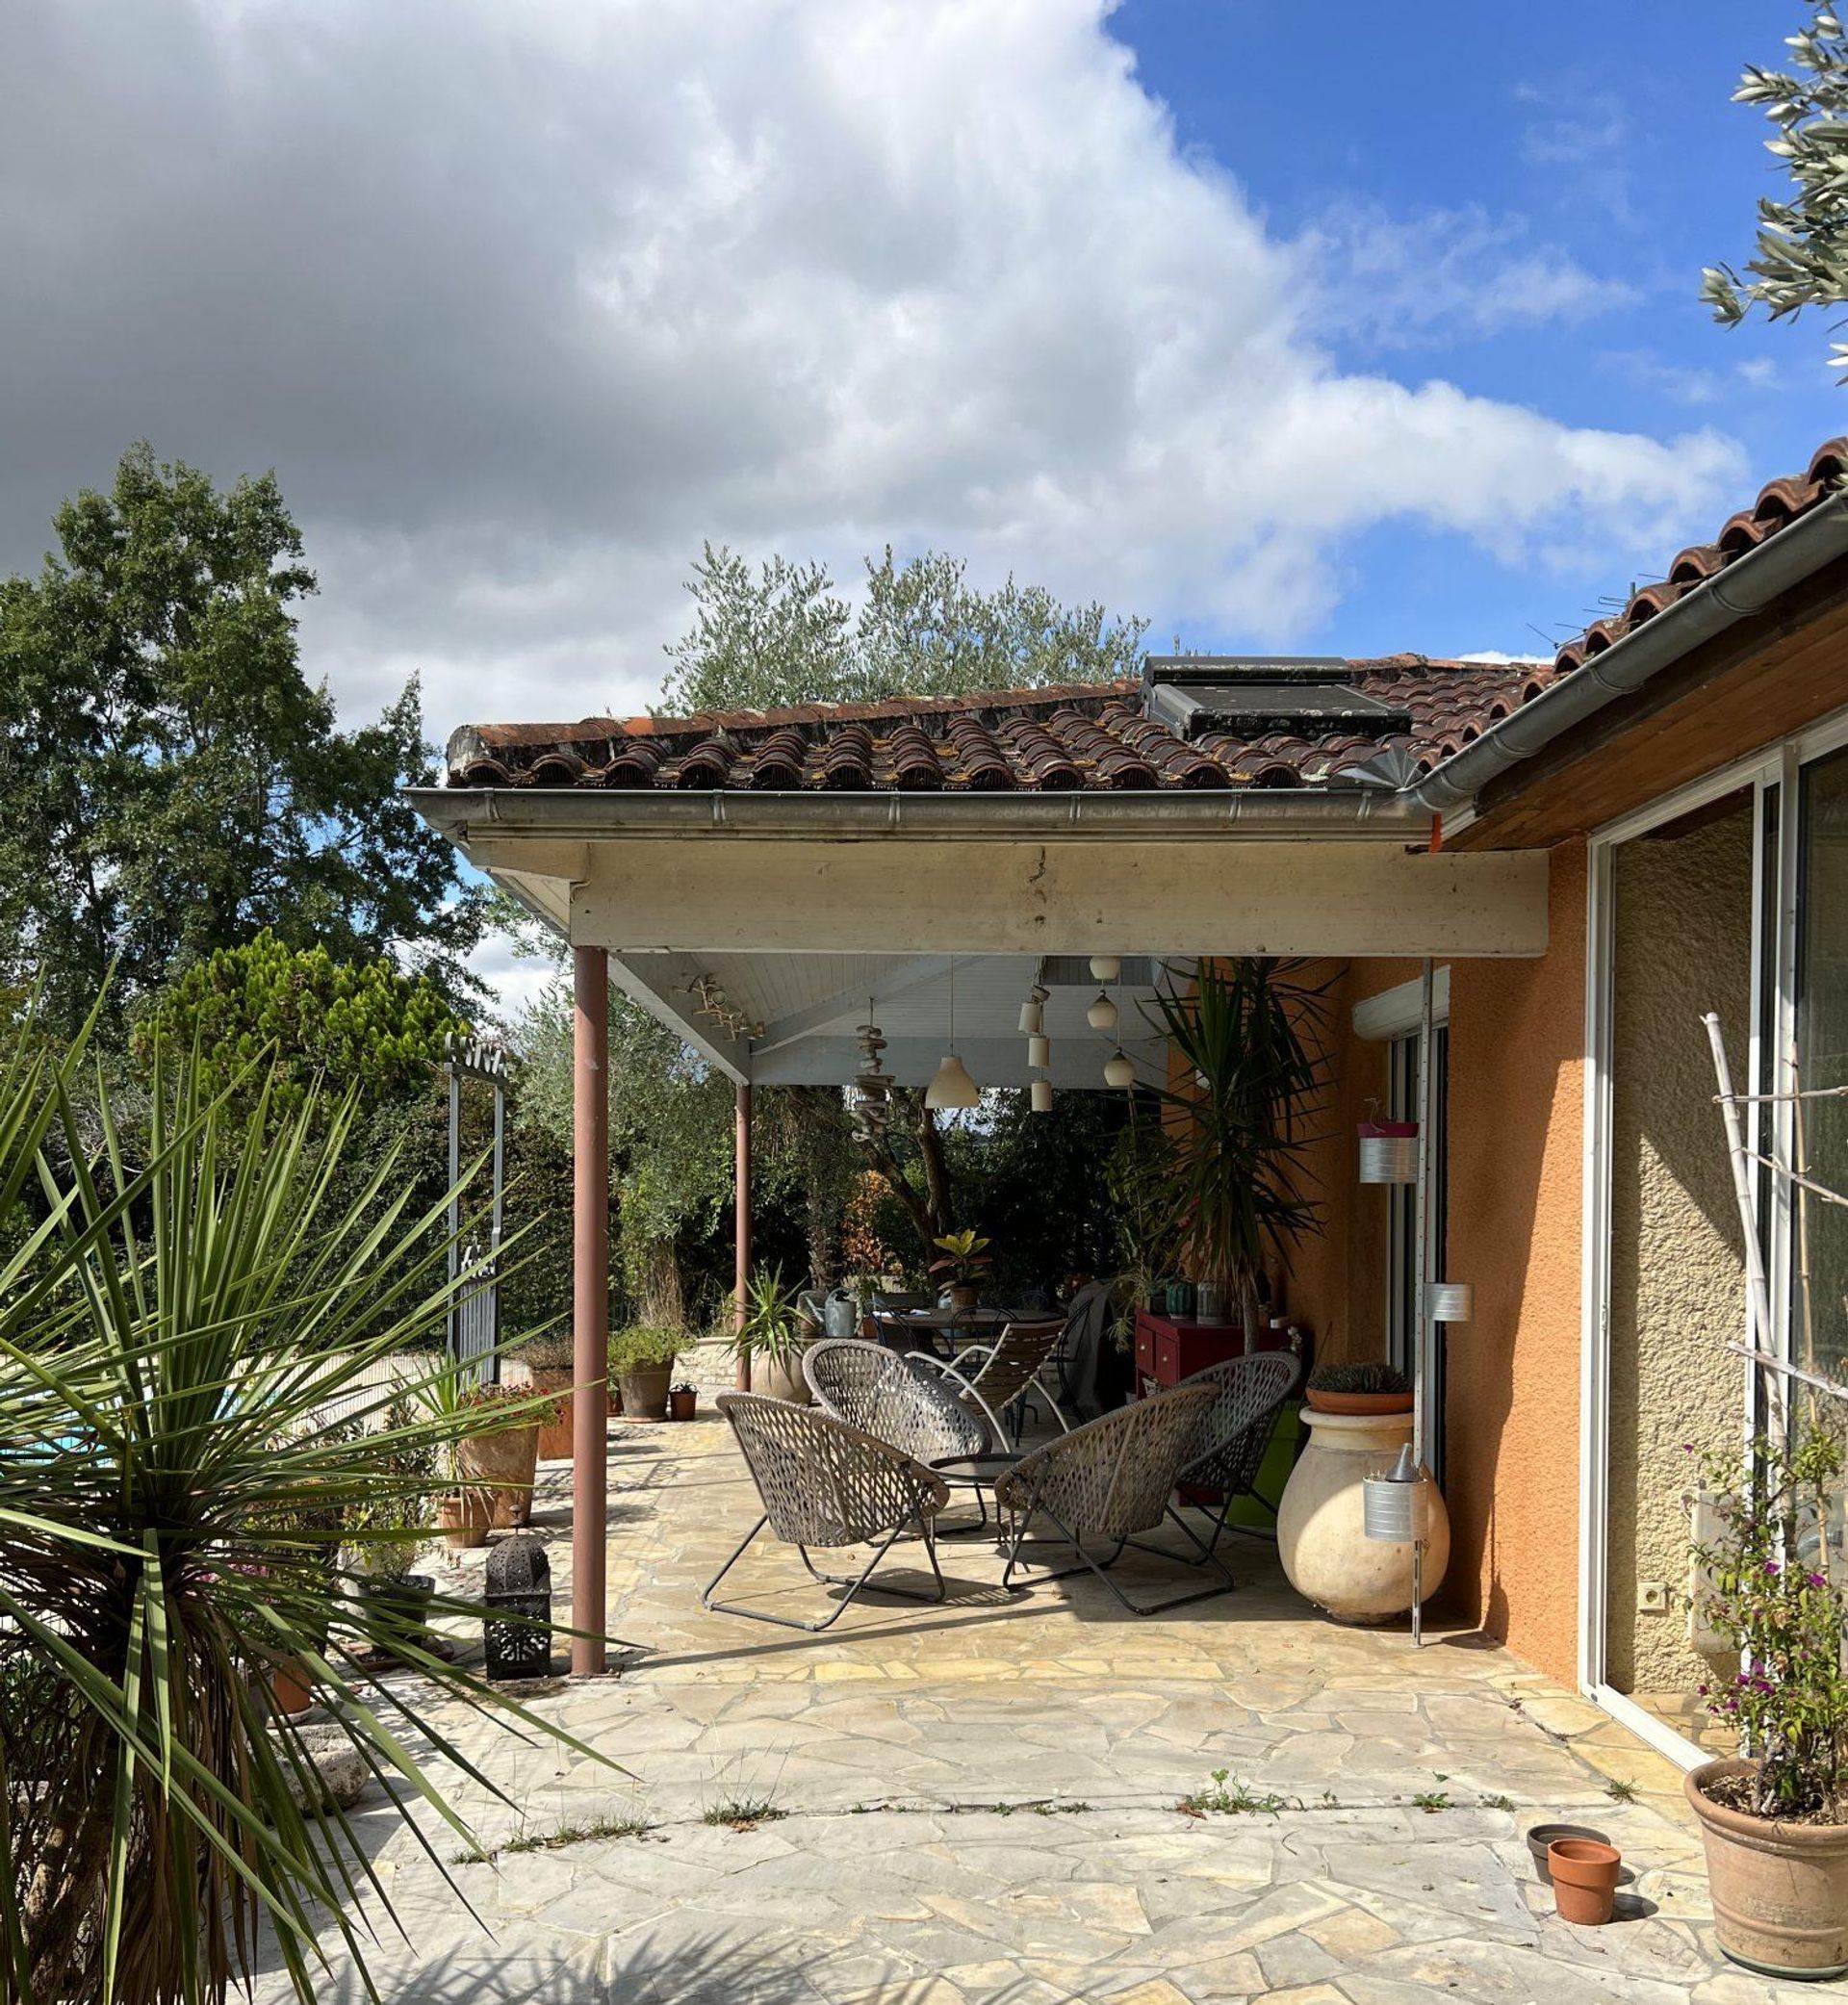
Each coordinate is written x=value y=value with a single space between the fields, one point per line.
x=1745 y=588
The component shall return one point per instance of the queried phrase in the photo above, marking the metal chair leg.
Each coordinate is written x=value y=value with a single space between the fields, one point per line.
x=852 y=1582
x=1088 y=1564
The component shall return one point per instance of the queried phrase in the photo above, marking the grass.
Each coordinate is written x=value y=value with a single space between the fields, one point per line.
x=1498 y=1803
x=744 y=1813
x=555 y=1841
x=1228 y=1797
x=1620 y=1791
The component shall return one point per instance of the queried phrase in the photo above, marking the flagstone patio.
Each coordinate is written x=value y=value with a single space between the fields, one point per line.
x=982 y=1802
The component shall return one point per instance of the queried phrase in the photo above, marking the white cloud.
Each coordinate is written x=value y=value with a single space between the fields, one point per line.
x=1447 y=276
x=525 y=302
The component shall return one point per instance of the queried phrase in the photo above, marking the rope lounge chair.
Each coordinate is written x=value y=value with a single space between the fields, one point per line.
x=994 y=1380
x=825 y=1484
x=1104 y=1483
x=1234 y=1435
x=912 y=1409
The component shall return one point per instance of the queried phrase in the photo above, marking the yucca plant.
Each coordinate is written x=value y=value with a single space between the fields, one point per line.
x=175 y=1335
x=1227 y=1173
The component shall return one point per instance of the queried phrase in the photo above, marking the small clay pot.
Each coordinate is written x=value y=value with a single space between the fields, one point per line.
x=682 y=1404
x=1584 y=1879
x=1358 y=1402
x=290 y=1692
x=1541 y=1836
x=464 y=1516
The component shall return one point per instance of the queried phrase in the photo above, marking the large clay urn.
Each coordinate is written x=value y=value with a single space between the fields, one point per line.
x=1320 y=1540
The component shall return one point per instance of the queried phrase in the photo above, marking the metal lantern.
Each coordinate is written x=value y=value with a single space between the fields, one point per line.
x=1388 y=1151
x=1450 y=1301
x=1394 y=1505
x=516 y=1633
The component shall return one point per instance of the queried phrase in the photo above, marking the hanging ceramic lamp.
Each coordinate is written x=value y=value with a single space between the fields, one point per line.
x=1042 y=1095
x=1039 y=1052
x=1103 y=1014
x=1118 y=1068
x=1105 y=968
x=952 y=1086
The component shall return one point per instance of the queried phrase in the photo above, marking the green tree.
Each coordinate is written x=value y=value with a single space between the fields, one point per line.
x=359 y=1026
x=1800 y=257
x=783 y=634
x=170 y=783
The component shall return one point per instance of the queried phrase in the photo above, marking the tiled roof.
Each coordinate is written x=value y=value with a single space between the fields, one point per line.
x=1091 y=735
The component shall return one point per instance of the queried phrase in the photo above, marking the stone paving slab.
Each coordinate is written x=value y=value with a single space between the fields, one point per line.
x=977 y=1804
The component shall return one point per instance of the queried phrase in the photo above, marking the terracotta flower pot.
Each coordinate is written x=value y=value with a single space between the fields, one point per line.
x=1540 y=1838
x=503 y=1464
x=1358 y=1402
x=964 y=1296
x=554 y=1437
x=644 y=1391
x=1584 y=1879
x=684 y=1404
x=290 y=1691
x=1780 y=1890
x=464 y=1516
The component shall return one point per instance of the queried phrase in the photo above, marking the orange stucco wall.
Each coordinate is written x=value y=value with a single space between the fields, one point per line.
x=1516 y=1172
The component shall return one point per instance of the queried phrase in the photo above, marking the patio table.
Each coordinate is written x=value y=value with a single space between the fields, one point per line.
x=934 y=1325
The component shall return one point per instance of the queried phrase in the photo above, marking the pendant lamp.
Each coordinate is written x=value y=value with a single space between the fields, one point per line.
x=1103 y=1014
x=1118 y=1068
x=952 y=1086
x=1105 y=968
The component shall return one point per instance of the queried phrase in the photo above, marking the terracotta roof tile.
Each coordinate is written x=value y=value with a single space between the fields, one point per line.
x=1087 y=735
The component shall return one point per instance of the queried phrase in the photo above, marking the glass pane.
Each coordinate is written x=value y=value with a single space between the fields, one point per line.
x=1819 y=1308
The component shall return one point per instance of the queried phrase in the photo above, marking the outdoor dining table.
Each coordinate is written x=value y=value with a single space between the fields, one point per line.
x=946 y=1331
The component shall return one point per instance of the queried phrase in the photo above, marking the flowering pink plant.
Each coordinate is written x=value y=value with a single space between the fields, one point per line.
x=1767 y=1591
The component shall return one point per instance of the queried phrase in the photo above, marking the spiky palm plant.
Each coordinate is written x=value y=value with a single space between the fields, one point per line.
x=174 y=1337
x=1228 y=1173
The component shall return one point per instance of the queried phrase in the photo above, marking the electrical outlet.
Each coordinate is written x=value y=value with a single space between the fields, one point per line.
x=1652 y=1597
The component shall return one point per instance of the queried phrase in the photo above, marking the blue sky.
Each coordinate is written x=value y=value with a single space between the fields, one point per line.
x=1604 y=133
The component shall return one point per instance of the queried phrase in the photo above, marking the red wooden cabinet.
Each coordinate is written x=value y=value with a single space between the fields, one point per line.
x=1171 y=1347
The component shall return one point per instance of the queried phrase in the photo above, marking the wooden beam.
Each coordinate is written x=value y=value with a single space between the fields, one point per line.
x=718 y=894
x=911 y=1061
x=659 y=983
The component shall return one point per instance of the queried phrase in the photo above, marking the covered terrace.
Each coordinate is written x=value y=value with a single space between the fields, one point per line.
x=760 y=882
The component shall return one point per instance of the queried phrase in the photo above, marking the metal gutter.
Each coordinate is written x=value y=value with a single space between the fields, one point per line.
x=1745 y=588
x=591 y=815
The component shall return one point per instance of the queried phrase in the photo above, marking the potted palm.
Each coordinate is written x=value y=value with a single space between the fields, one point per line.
x=1775 y=1821
x=771 y=1336
x=1362 y=1388
x=176 y=1490
x=641 y=1362
x=1248 y=1037
x=964 y=1265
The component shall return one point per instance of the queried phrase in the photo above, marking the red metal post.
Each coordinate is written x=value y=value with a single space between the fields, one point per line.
x=589 y=1305
x=741 y=1260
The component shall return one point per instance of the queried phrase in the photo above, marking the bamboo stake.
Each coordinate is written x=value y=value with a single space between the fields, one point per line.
x=1757 y=1289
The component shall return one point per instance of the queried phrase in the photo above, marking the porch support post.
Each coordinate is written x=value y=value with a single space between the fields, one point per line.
x=741 y=1246
x=1422 y=1274
x=590 y=1304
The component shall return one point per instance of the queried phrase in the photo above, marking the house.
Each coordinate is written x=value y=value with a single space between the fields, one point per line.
x=1592 y=851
